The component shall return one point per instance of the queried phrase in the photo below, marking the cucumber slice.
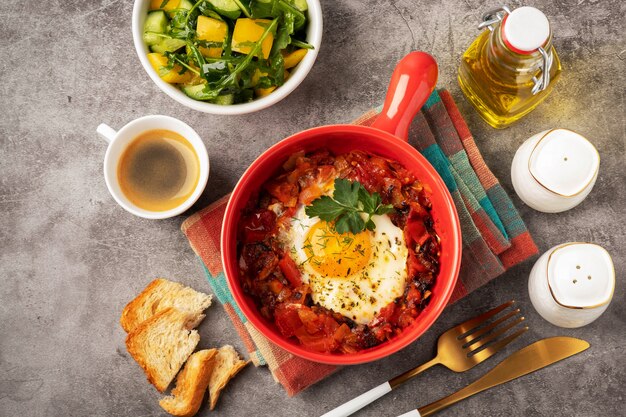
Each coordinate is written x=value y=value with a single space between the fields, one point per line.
x=225 y=100
x=151 y=39
x=156 y=22
x=196 y=92
x=227 y=8
x=168 y=45
x=301 y=5
x=185 y=4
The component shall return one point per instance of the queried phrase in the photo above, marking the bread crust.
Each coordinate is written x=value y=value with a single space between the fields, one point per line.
x=227 y=365
x=159 y=295
x=139 y=348
x=128 y=320
x=191 y=384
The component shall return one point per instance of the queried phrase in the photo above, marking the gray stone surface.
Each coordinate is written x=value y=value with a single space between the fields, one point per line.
x=70 y=258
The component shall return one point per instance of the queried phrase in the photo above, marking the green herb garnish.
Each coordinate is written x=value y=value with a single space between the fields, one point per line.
x=349 y=201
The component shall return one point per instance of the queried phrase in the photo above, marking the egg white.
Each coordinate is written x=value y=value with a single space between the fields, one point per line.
x=361 y=295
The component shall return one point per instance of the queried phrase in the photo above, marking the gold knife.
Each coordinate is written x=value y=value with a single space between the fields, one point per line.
x=529 y=359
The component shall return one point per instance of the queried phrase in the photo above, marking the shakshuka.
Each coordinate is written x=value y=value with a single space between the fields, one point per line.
x=338 y=292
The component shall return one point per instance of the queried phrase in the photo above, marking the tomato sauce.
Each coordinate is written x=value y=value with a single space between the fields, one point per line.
x=273 y=279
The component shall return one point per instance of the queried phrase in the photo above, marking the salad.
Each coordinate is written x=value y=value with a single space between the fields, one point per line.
x=226 y=51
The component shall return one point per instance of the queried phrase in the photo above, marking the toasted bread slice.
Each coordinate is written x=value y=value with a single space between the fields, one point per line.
x=191 y=384
x=161 y=344
x=159 y=295
x=227 y=365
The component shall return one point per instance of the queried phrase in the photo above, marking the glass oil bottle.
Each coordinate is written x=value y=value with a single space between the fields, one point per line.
x=510 y=68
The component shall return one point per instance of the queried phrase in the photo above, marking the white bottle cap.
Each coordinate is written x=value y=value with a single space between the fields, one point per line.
x=525 y=29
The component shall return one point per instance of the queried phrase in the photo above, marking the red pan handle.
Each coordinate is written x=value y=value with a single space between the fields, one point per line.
x=412 y=82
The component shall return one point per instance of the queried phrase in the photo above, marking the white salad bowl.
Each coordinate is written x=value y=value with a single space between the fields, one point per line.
x=314 y=37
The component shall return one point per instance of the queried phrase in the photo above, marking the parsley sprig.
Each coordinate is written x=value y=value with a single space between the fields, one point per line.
x=349 y=201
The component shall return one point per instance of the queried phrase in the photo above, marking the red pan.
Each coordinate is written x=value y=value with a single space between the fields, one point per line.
x=412 y=82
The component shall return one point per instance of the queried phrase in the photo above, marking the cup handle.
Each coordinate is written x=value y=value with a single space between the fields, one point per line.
x=107 y=132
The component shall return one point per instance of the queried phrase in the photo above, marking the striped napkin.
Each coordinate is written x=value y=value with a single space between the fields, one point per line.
x=494 y=235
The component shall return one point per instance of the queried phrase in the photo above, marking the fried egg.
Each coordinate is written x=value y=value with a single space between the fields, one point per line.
x=355 y=275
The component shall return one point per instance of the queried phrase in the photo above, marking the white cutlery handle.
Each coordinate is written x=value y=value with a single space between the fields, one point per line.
x=412 y=413
x=360 y=401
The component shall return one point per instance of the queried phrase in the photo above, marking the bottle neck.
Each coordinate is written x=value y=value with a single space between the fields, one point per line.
x=522 y=67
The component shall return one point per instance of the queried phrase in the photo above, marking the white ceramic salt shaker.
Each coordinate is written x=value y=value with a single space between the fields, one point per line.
x=555 y=170
x=572 y=284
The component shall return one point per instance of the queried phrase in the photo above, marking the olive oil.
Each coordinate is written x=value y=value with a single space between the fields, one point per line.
x=501 y=81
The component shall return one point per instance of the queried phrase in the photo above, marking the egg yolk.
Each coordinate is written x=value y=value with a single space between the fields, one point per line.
x=334 y=254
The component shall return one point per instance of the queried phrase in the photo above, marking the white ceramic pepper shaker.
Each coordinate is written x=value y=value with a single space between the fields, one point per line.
x=555 y=170
x=572 y=284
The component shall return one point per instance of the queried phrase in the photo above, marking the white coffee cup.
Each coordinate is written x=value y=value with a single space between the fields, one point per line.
x=119 y=140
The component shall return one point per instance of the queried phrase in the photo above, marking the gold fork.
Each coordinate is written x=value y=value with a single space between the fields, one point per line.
x=458 y=349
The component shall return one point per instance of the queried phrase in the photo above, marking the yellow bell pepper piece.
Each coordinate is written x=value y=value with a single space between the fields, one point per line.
x=159 y=61
x=212 y=30
x=247 y=32
x=195 y=78
x=169 y=6
x=262 y=92
x=254 y=80
x=294 y=58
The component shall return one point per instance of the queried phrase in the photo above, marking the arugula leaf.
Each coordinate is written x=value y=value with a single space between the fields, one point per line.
x=212 y=14
x=284 y=32
x=213 y=89
x=192 y=14
x=174 y=58
x=243 y=8
x=178 y=19
x=299 y=17
x=349 y=201
x=228 y=41
x=195 y=52
x=300 y=44
x=265 y=9
x=272 y=70
x=248 y=59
